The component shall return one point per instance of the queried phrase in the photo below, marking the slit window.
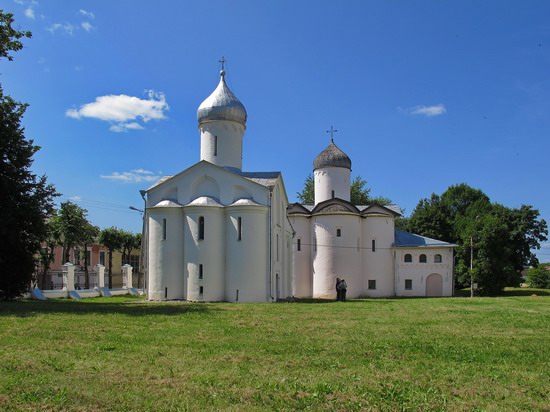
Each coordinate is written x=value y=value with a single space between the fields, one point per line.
x=333 y=194
x=240 y=228
x=338 y=232
x=215 y=145
x=163 y=229
x=437 y=258
x=200 y=271
x=422 y=259
x=277 y=248
x=408 y=284
x=201 y=228
x=201 y=290
x=374 y=245
x=299 y=245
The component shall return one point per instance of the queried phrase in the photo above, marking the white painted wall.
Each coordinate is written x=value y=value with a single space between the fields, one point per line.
x=418 y=272
x=229 y=143
x=209 y=252
x=302 y=282
x=378 y=265
x=327 y=179
x=166 y=263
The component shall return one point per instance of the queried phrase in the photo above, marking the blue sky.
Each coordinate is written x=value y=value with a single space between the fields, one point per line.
x=424 y=94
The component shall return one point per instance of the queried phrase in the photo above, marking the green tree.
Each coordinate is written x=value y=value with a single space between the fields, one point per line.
x=112 y=239
x=89 y=235
x=73 y=226
x=26 y=200
x=360 y=193
x=502 y=237
x=130 y=241
x=47 y=252
x=538 y=277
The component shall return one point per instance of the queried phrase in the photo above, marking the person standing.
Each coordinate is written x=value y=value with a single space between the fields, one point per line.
x=342 y=288
x=338 y=292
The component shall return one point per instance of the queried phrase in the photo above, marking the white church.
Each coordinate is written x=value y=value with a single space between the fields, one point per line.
x=216 y=233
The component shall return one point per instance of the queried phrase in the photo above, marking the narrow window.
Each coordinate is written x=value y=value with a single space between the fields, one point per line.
x=163 y=229
x=373 y=245
x=200 y=271
x=277 y=248
x=102 y=258
x=372 y=284
x=299 y=245
x=437 y=258
x=215 y=145
x=240 y=228
x=422 y=259
x=333 y=194
x=201 y=228
x=201 y=290
x=408 y=258
x=165 y=292
x=338 y=232
x=408 y=284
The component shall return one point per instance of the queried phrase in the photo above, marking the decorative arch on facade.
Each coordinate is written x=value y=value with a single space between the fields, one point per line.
x=422 y=258
x=434 y=285
x=240 y=192
x=170 y=193
x=206 y=186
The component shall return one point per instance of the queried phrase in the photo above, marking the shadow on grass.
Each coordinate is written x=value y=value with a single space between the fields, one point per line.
x=28 y=308
x=465 y=293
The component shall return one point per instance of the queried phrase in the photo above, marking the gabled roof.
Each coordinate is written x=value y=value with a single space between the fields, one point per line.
x=366 y=209
x=268 y=179
x=406 y=239
x=335 y=205
x=299 y=208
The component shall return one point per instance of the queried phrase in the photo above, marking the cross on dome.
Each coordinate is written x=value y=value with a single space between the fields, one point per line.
x=222 y=61
x=332 y=131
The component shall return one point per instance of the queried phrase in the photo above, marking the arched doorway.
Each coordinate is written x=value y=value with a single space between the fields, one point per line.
x=434 y=285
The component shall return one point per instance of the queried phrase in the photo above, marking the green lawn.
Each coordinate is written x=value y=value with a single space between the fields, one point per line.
x=370 y=354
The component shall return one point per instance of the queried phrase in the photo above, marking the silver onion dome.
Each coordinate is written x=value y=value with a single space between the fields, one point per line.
x=332 y=156
x=221 y=105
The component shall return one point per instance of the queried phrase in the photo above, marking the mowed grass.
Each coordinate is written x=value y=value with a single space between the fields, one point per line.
x=120 y=354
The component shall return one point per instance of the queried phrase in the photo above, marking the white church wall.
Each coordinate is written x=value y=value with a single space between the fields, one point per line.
x=204 y=258
x=246 y=266
x=417 y=272
x=166 y=266
x=281 y=255
x=302 y=285
x=221 y=143
x=329 y=179
x=378 y=263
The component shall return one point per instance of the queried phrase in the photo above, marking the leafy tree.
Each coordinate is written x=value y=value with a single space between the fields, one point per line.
x=73 y=226
x=130 y=241
x=26 y=199
x=502 y=237
x=538 y=277
x=360 y=194
x=112 y=238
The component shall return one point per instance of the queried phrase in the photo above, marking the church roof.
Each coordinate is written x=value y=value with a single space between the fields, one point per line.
x=332 y=156
x=268 y=179
x=222 y=104
x=406 y=239
x=205 y=201
x=298 y=208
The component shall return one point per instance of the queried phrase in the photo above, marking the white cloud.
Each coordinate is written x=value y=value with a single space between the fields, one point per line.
x=87 y=26
x=124 y=127
x=66 y=28
x=429 y=111
x=88 y=14
x=123 y=111
x=75 y=198
x=29 y=12
x=133 y=176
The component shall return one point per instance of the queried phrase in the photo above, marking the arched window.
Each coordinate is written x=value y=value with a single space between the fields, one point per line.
x=408 y=258
x=422 y=259
x=437 y=258
x=201 y=228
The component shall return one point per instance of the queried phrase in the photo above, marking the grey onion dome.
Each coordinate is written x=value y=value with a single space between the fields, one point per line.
x=332 y=156
x=221 y=105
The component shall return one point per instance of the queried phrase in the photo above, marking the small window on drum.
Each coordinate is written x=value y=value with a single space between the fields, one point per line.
x=408 y=258
x=200 y=271
x=201 y=228
x=422 y=259
x=299 y=245
x=438 y=258
x=338 y=232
